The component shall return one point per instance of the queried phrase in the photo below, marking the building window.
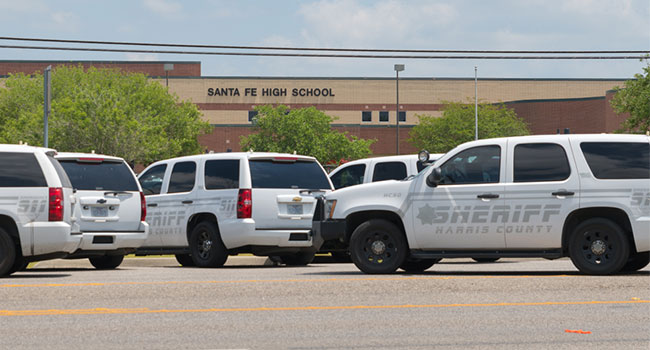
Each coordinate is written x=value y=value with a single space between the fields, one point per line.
x=402 y=116
x=251 y=115
x=383 y=116
x=366 y=116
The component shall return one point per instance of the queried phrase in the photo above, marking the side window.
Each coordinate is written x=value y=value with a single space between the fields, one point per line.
x=21 y=170
x=618 y=160
x=183 y=177
x=221 y=174
x=475 y=165
x=351 y=175
x=152 y=180
x=540 y=162
x=389 y=171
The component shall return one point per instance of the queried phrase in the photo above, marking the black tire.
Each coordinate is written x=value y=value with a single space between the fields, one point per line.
x=637 y=261
x=599 y=247
x=485 y=260
x=206 y=247
x=20 y=264
x=378 y=246
x=106 y=262
x=419 y=265
x=298 y=259
x=341 y=257
x=185 y=260
x=7 y=253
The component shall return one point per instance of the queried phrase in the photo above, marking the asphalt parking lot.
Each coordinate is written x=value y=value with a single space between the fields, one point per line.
x=250 y=304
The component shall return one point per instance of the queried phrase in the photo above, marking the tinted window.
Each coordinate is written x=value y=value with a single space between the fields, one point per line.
x=152 y=180
x=20 y=170
x=540 y=162
x=65 y=181
x=383 y=116
x=366 y=116
x=182 y=179
x=402 y=116
x=348 y=176
x=473 y=166
x=221 y=174
x=389 y=171
x=618 y=160
x=103 y=176
x=300 y=174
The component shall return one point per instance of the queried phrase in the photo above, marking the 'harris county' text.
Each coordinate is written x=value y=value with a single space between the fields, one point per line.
x=301 y=92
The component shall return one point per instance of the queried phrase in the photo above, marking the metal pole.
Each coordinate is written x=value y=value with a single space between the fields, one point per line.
x=475 y=103
x=397 y=108
x=47 y=95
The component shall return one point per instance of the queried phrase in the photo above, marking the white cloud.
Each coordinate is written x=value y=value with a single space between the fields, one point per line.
x=164 y=7
x=142 y=57
x=384 y=23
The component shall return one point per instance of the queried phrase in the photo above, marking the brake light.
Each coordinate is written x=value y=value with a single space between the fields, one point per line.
x=55 y=204
x=244 y=204
x=143 y=207
x=90 y=160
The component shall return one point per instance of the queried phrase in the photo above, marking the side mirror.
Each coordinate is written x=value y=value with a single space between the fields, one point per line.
x=434 y=178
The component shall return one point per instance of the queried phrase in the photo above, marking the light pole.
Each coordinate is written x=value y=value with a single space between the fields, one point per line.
x=398 y=68
x=47 y=102
x=475 y=103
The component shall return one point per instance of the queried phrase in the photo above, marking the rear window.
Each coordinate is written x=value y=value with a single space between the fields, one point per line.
x=298 y=174
x=540 y=162
x=20 y=170
x=221 y=174
x=389 y=171
x=182 y=178
x=100 y=176
x=349 y=176
x=618 y=160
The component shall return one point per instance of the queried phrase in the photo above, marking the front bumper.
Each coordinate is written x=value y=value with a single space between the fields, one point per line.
x=323 y=229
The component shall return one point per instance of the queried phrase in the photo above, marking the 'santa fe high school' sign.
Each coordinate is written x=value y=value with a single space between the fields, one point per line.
x=301 y=92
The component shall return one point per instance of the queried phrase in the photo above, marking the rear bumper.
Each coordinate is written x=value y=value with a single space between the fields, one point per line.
x=243 y=232
x=112 y=240
x=49 y=238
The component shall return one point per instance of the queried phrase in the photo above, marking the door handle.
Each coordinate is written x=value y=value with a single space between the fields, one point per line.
x=488 y=196
x=152 y=204
x=563 y=193
x=187 y=202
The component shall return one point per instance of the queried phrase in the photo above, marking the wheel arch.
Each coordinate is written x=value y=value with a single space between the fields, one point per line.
x=355 y=219
x=197 y=218
x=616 y=215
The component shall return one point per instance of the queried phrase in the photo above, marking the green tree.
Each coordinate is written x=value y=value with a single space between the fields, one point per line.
x=105 y=110
x=305 y=131
x=457 y=126
x=634 y=98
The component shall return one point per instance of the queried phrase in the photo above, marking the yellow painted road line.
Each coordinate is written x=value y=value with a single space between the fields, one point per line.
x=109 y=311
x=302 y=280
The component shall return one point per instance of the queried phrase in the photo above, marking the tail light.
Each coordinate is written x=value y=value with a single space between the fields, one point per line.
x=143 y=207
x=244 y=204
x=55 y=204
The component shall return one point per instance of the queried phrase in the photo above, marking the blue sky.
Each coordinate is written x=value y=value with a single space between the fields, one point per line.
x=388 y=24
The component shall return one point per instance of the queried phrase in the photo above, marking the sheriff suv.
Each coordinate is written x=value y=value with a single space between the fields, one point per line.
x=203 y=208
x=36 y=208
x=111 y=207
x=582 y=196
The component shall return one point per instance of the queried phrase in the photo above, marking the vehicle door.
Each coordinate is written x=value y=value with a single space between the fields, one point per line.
x=152 y=181
x=220 y=180
x=175 y=204
x=542 y=187
x=466 y=209
x=349 y=175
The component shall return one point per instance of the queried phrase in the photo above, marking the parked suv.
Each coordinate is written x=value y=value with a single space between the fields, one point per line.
x=203 y=208
x=111 y=207
x=582 y=196
x=36 y=208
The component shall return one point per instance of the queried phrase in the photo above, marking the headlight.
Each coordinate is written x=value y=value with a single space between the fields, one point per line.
x=423 y=156
x=330 y=204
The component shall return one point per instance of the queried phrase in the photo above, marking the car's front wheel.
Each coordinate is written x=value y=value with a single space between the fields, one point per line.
x=206 y=247
x=599 y=246
x=378 y=246
x=106 y=262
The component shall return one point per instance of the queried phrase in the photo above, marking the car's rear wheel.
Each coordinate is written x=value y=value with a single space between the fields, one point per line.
x=106 y=262
x=20 y=264
x=185 y=260
x=206 y=247
x=378 y=246
x=599 y=247
x=7 y=253
x=418 y=265
x=298 y=259
x=637 y=261
x=485 y=260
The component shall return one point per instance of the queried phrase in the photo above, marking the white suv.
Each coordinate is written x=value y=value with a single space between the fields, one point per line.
x=582 y=196
x=111 y=207
x=36 y=208
x=205 y=207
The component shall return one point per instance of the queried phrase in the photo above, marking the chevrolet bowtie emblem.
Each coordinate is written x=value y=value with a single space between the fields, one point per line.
x=297 y=199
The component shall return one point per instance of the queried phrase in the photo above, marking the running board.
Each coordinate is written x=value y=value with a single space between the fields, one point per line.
x=438 y=254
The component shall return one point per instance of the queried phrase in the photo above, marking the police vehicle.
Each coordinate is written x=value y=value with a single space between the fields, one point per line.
x=582 y=196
